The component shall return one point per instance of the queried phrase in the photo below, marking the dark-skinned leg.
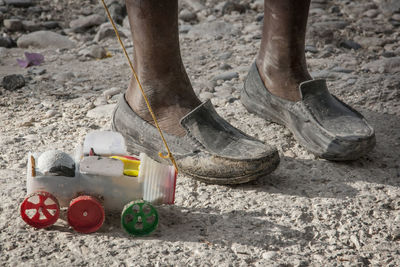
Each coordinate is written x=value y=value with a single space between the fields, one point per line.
x=158 y=63
x=281 y=59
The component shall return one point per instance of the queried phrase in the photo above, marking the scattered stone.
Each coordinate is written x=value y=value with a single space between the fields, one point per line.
x=342 y=70
x=37 y=71
x=225 y=56
x=323 y=74
x=64 y=76
x=396 y=17
x=195 y=5
x=84 y=23
x=13 y=25
x=97 y=52
x=372 y=13
x=117 y=12
x=269 y=255
x=187 y=16
x=225 y=66
x=311 y=49
x=231 y=6
x=226 y=76
x=107 y=31
x=100 y=101
x=31 y=26
x=388 y=54
x=7 y=42
x=20 y=3
x=101 y=111
x=111 y=92
x=50 y=25
x=185 y=28
x=349 y=44
x=44 y=39
x=50 y=113
x=13 y=82
x=385 y=65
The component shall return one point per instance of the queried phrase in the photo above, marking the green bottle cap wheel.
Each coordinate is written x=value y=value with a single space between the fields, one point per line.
x=139 y=218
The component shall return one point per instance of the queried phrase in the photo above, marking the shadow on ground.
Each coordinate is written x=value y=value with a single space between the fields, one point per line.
x=322 y=178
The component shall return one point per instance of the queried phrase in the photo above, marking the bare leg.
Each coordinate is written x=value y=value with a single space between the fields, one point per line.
x=158 y=63
x=281 y=59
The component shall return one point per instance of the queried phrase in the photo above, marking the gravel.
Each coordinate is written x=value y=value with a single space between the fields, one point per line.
x=309 y=212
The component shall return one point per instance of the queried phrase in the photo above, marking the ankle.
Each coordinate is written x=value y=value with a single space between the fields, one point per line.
x=283 y=80
x=169 y=100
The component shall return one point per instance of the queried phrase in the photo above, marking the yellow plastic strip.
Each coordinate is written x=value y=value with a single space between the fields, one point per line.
x=131 y=167
x=169 y=154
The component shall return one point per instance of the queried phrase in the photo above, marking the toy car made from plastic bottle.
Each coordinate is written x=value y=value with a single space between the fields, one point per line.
x=102 y=177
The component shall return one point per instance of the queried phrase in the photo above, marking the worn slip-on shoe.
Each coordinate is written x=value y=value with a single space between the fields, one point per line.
x=212 y=150
x=320 y=122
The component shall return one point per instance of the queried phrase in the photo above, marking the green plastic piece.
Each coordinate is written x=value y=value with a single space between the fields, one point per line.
x=139 y=218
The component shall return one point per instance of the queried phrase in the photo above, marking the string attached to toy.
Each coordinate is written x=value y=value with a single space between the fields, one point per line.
x=169 y=154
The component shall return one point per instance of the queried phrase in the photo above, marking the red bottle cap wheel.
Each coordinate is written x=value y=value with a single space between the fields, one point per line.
x=40 y=209
x=85 y=214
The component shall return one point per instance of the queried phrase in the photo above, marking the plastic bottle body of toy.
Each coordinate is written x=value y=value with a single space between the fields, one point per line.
x=96 y=174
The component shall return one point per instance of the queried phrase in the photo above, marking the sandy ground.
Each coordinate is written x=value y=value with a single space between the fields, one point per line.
x=309 y=212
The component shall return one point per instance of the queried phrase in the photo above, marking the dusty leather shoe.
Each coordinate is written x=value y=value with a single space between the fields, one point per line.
x=320 y=122
x=212 y=150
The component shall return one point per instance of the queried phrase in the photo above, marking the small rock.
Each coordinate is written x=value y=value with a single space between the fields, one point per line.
x=226 y=76
x=342 y=70
x=44 y=39
x=117 y=12
x=106 y=31
x=13 y=82
x=101 y=111
x=64 y=76
x=230 y=6
x=349 y=44
x=195 y=5
x=388 y=54
x=84 y=23
x=31 y=26
x=50 y=25
x=311 y=49
x=212 y=29
x=37 y=71
x=111 y=92
x=20 y=3
x=225 y=56
x=50 y=113
x=396 y=17
x=7 y=42
x=355 y=241
x=269 y=255
x=225 y=66
x=13 y=25
x=388 y=65
x=372 y=13
x=206 y=95
x=100 y=101
x=185 y=28
x=98 y=52
x=187 y=16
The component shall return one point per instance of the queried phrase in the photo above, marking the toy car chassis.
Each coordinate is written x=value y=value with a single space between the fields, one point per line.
x=101 y=177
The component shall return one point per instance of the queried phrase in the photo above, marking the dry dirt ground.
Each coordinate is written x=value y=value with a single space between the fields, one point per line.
x=309 y=212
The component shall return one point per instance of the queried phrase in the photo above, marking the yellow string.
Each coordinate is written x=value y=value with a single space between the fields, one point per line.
x=169 y=154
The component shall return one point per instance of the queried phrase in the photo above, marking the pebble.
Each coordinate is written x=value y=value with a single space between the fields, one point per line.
x=226 y=76
x=13 y=24
x=231 y=6
x=342 y=70
x=101 y=111
x=97 y=52
x=13 y=82
x=31 y=26
x=50 y=113
x=64 y=76
x=7 y=42
x=106 y=31
x=349 y=44
x=20 y=3
x=187 y=16
x=311 y=49
x=388 y=65
x=212 y=29
x=269 y=255
x=44 y=39
x=111 y=92
x=83 y=23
